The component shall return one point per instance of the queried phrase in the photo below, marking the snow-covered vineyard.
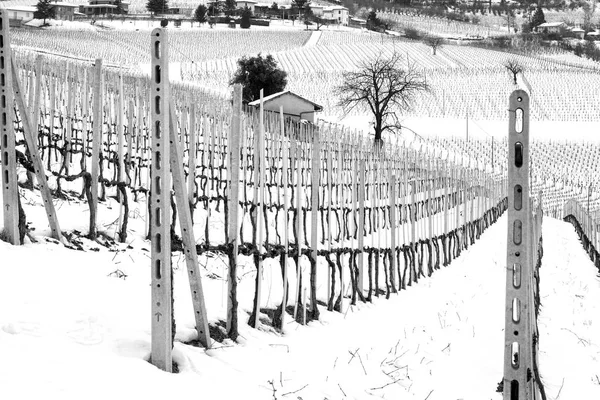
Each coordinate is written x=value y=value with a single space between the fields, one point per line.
x=163 y=241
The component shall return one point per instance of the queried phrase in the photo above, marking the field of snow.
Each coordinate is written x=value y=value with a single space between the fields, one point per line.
x=76 y=324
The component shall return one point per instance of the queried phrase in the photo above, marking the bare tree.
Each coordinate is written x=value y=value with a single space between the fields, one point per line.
x=514 y=67
x=435 y=42
x=382 y=85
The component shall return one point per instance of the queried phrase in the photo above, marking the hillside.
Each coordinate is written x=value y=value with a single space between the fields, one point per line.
x=464 y=80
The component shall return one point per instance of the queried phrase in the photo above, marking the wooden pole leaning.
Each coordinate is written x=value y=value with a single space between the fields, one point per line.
x=518 y=335
x=187 y=232
x=35 y=157
x=160 y=200
x=234 y=175
x=10 y=191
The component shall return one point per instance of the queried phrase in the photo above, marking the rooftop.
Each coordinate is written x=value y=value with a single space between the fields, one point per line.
x=21 y=8
x=279 y=94
x=551 y=24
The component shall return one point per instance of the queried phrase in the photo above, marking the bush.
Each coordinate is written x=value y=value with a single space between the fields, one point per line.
x=412 y=33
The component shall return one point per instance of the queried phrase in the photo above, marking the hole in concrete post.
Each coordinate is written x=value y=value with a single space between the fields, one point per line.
x=158 y=270
x=514 y=359
x=517 y=231
x=157 y=160
x=516 y=275
x=158 y=244
x=519 y=120
x=157 y=129
x=158 y=216
x=514 y=390
x=157 y=104
x=518 y=197
x=157 y=74
x=158 y=187
x=516 y=310
x=157 y=49
x=518 y=154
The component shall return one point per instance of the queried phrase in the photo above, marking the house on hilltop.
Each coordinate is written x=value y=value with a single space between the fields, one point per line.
x=64 y=11
x=241 y=4
x=295 y=107
x=18 y=15
x=339 y=14
x=103 y=7
x=551 y=27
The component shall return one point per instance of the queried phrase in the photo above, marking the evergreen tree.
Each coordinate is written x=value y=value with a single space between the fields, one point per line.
x=157 y=6
x=538 y=18
x=200 y=13
x=215 y=8
x=229 y=7
x=373 y=22
x=44 y=10
x=246 y=15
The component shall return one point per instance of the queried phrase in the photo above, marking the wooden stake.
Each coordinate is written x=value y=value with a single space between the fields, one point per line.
x=314 y=201
x=187 y=234
x=260 y=185
x=96 y=144
x=35 y=157
x=285 y=154
x=234 y=174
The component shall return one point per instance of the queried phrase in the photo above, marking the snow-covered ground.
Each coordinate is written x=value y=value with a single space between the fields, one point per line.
x=569 y=354
x=70 y=328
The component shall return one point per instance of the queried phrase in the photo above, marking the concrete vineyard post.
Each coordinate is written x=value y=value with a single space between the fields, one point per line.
x=10 y=191
x=160 y=200
x=518 y=341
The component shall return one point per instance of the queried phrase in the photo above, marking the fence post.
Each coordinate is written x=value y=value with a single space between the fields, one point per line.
x=361 y=222
x=10 y=191
x=259 y=185
x=286 y=157
x=518 y=381
x=234 y=174
x=160 y=200
x=96 y=143
x=392 y=200
x=314 y=224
